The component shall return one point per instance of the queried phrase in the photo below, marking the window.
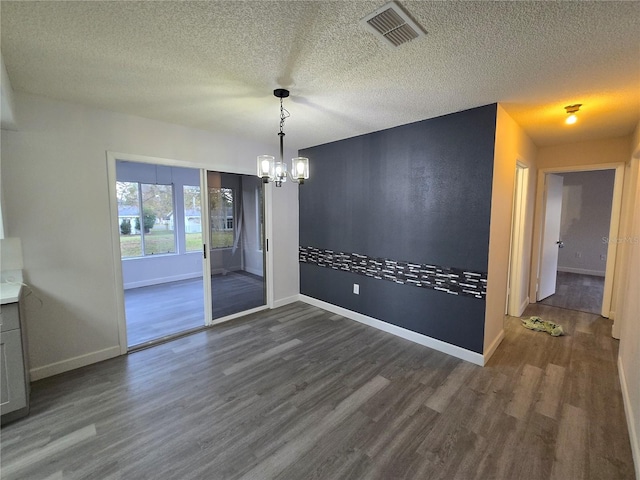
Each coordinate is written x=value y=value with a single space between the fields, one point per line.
x=192 y=216
x=222 y=221
x=145 y=218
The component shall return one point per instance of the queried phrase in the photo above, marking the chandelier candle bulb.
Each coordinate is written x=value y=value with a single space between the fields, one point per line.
x=264 y=166
x=300 y=165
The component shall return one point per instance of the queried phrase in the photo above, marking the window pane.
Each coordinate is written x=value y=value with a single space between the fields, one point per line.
x=192 y=222
x=157 y=224
x=128 y=218
x=221 y=208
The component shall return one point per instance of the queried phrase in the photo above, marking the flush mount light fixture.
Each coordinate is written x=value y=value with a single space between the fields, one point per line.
x=276 y=170
x=571 y=112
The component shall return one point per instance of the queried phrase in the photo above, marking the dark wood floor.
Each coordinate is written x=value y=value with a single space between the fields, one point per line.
x=577 y=292
x=299 y=393
x=158 y=311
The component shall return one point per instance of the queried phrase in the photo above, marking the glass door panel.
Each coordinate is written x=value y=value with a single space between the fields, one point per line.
x=236 y=243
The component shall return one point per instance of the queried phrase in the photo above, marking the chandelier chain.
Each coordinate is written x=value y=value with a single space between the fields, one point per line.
x=284 y=114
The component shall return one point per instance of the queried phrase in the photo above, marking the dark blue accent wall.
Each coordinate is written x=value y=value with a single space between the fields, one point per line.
x=416 y=193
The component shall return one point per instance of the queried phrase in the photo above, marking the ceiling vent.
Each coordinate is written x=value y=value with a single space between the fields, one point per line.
x=392 y=25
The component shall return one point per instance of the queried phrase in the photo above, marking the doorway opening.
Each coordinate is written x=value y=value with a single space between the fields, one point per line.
x=580 y=211
x=160 y=236
x=190 y=247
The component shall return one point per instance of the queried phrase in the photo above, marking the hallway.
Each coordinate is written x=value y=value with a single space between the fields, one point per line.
x=577 y=292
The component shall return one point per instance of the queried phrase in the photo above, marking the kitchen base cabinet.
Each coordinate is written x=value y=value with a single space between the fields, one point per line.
x=14 y=380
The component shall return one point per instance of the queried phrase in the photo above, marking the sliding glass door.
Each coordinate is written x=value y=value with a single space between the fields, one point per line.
x=236 y=245
x=191 y=247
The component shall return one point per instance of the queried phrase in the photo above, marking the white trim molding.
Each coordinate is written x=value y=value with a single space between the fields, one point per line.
x=435 y=344
x=285 y=301
x=488 y=353
x=630 y=415
x=73 y=363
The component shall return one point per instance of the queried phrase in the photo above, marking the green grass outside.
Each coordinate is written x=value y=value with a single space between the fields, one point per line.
x=162 y=242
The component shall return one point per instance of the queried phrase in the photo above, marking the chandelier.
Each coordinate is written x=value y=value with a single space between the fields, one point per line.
x=270 y=169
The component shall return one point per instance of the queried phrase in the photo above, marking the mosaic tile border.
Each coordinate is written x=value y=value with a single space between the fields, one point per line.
x=453 y=281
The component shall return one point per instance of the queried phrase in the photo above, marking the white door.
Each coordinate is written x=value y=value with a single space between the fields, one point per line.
x=550 y=236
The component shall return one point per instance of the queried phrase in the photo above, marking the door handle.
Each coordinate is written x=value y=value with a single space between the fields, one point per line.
x=560 y=244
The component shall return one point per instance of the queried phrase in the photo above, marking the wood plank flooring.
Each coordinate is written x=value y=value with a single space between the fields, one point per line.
x=577 y=292
x=271 y=396
x=161 y=310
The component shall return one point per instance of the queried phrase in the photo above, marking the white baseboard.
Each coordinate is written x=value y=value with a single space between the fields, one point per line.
x=410 y=335
x=631 y=422
x=73 y=363
x=161 y=280
x=281 y=302
x=488 y=353
x=582 y=271
x=615 y=328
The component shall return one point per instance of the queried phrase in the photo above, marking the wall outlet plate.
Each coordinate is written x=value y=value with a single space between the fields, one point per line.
x=356 y=289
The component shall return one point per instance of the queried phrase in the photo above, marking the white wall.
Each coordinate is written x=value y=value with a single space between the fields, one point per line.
x=587 y=198
x=54 y=176
x=511 y=145
x=628 y=313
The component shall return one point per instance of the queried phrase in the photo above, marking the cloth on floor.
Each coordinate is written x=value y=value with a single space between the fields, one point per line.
x=540 y=325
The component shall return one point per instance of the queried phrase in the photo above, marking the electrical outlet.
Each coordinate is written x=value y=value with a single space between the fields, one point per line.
x=578 y=254
x=603 y=257
x=356 y=289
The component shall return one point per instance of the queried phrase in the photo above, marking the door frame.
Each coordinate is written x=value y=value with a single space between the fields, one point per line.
x=614 y=226
x=118 y=282
x=516 y=305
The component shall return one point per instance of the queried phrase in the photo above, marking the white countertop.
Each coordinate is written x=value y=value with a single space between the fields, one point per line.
x=10 y=292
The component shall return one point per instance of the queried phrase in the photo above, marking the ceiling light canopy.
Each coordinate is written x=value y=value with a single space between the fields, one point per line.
x=571 y=112
x=276 y=170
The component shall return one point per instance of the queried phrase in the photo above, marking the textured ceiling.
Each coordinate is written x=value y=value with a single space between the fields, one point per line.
x=213 y=65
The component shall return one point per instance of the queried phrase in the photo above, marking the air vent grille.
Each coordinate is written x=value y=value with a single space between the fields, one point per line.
x=386 y=21
x=393 y=24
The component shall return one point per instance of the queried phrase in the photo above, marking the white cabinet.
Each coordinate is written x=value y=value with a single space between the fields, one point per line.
x=14 y=381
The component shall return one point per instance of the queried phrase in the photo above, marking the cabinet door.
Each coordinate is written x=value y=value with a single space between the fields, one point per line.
x=12 y=388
